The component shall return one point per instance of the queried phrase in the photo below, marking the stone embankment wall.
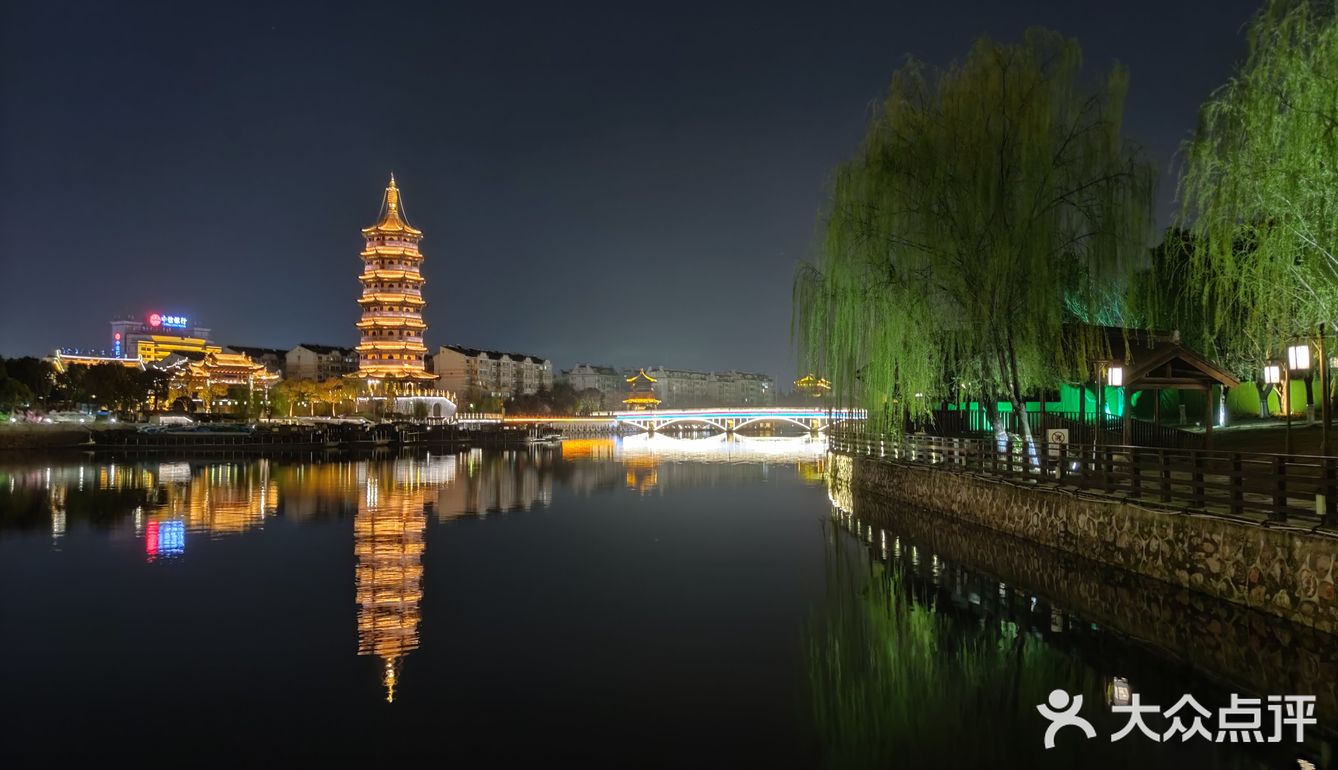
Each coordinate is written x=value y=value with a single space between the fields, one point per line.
x=23 y=436
x=1283 y=571
x=1243 y=648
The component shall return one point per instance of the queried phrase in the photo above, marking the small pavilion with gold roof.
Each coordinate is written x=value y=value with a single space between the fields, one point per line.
x=641 y=392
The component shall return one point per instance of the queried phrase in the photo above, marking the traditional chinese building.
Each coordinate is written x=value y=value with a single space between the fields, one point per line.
x=205 y=377
x=641 y=392
x=392 y=323
x=226 y=369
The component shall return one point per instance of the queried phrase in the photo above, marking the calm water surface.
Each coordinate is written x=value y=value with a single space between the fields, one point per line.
x=642 y=602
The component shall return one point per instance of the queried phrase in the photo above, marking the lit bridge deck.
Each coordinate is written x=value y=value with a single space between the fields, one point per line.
x=731 y=420
x=727 y=420
x=653 y=421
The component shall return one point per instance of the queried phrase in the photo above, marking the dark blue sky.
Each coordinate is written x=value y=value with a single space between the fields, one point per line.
x=624 y=183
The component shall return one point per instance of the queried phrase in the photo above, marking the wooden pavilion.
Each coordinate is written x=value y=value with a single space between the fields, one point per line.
x=1156 y=361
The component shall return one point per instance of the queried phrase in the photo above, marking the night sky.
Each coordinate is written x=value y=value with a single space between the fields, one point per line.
x=629 y=183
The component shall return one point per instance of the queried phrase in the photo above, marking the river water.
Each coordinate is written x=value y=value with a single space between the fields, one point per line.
x=614 y=603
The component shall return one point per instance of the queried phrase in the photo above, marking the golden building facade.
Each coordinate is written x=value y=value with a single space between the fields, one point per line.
x=392 y=303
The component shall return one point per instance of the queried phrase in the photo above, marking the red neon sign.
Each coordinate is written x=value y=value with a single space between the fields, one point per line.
x=155 y=319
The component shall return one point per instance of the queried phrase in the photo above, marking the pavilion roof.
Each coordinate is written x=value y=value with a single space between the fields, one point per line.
x=1157 y=359
x=236 y=368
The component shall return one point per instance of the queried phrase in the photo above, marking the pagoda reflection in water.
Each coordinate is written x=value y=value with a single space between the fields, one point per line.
x=388 y=540
x=389 y=534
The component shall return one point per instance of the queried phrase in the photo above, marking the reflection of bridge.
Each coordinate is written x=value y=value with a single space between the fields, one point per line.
x=731 y=420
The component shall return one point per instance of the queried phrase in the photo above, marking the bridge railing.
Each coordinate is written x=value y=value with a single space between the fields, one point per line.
x=1300 y=490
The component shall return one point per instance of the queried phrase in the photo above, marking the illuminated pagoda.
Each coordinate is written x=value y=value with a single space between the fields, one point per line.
x=641 y=392
x=388 y=540
x=392 y=323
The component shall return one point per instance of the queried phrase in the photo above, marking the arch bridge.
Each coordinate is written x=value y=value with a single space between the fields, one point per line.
x=812 y=420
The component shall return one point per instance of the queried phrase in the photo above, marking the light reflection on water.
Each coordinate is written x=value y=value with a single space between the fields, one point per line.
x=501 y=575
x=911 y=641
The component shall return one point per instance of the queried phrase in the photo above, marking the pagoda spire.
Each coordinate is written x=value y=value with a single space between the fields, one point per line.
x=390 y=677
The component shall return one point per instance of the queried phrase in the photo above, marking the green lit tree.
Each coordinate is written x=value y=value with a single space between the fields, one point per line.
x=589 y=400
x=1259 y=191
x=280 y=400
x=990 y=204
x=13 y=394
x=1170 y=294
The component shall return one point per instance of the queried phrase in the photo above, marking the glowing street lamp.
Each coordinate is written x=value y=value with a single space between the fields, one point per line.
x=1115 y=376
x=1273 y=374
x=1298 y=357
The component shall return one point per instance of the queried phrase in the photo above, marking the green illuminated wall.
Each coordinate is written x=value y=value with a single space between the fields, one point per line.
x=1241 y=401
x=1245 y=399
x=1068 y=402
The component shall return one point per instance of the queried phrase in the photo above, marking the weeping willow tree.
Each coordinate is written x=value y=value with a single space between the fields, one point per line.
x=1259 y=191
x=991 y=205
x=1172 y=294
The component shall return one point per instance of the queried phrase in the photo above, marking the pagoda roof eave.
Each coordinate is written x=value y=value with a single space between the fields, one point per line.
x=385 y=228
x=388 y=374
